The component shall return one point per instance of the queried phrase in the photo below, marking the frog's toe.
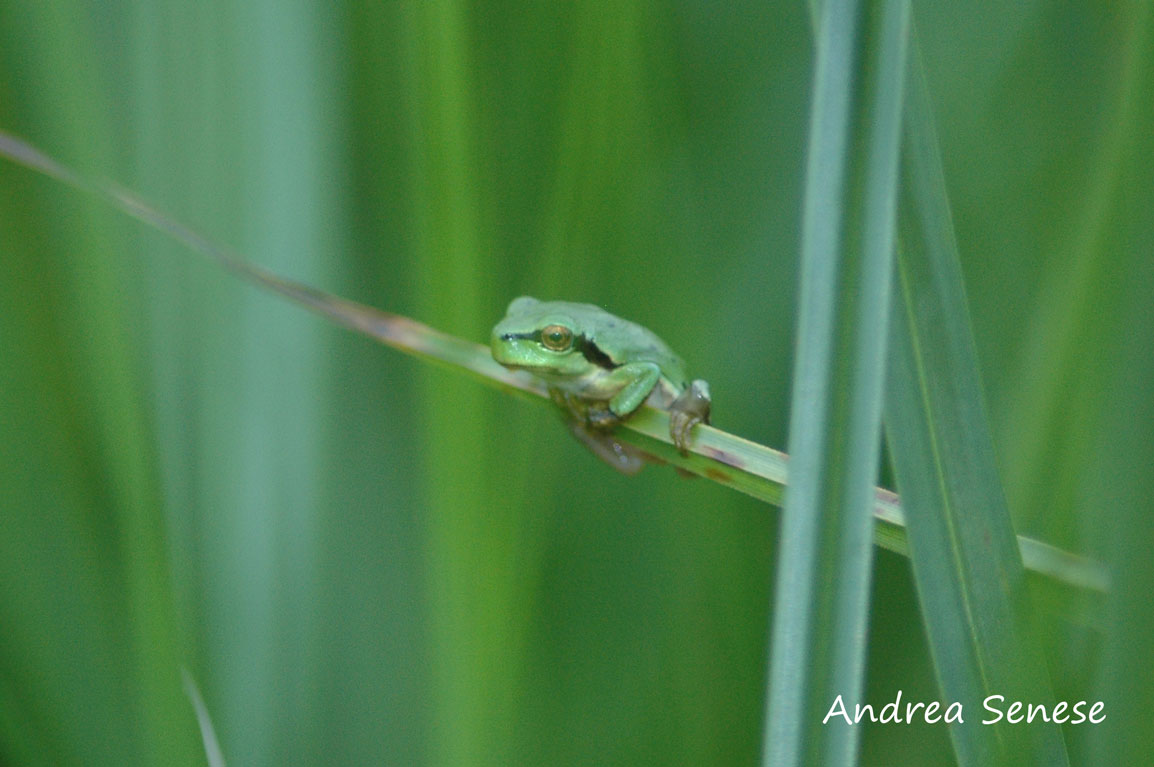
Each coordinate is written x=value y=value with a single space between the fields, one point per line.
x=689 y=409
x=601 y=418
x=679 y=425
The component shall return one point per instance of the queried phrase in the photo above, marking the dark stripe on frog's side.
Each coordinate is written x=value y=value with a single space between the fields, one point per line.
x=588 y=348
x=590 y=351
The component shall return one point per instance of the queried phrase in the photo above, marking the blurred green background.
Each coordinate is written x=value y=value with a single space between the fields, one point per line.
x=363 y=560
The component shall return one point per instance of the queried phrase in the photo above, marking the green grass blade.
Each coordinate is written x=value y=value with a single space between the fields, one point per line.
x=1122 y=463
x=197 y=474
x=476 y=624
x=90 y=637
x=1125 y=678
x=820 y=609
x=968 y=569
x=725 y=458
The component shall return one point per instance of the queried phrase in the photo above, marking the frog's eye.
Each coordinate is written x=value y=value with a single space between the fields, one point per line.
x=556 y=338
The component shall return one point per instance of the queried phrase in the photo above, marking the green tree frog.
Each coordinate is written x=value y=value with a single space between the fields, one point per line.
x=599 y=369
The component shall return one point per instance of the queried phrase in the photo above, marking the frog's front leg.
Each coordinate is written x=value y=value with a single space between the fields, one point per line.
x=638 y=379
x=633 y=383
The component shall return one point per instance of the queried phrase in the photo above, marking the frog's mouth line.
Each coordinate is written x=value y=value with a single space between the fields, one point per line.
x=534 y=369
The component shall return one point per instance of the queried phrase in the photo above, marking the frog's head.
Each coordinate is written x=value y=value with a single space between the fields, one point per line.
x=541 y=337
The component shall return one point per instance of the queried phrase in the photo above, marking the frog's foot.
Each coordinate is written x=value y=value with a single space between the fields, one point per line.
x=601 y=417
x=689 y=409
x=621 y=456
x=591 y=415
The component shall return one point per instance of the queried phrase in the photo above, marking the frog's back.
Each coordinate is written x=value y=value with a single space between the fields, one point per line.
x=625 y=341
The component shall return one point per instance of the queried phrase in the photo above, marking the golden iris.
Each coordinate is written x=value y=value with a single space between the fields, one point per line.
x=556 y=338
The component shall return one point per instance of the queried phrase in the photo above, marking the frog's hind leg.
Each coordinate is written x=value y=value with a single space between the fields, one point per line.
x=625 y=458
x=588 y=422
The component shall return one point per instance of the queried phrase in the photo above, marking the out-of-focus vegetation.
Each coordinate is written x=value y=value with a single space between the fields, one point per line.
x=361 y=560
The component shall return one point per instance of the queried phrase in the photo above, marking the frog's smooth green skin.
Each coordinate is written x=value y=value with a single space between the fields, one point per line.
x=599 y=368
